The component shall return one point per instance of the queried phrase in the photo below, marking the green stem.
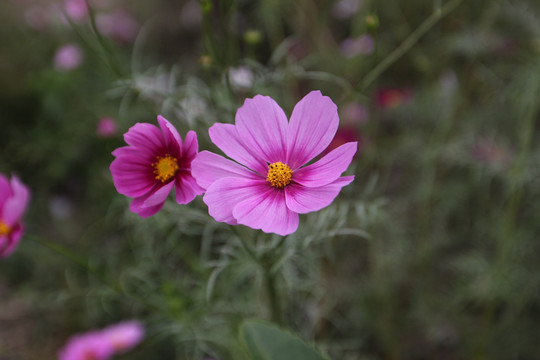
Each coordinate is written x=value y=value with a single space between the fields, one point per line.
x=74 y=258
x=273 y=297
x=409 y=42
x=266 y=263
x=109 y=54
x=84 y=264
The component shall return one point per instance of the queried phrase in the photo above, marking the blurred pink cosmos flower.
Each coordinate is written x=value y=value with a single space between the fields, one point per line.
x=362 y=45
x=76 y=9
x=155 y=161
x=388 y=98
x=68 y=57
x=103 y=344
x=119 y=25
x=268 y=185
x=14 y=197
x=106 y=127
x=124 y=336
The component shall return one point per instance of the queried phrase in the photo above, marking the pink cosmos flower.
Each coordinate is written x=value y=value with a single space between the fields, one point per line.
x=76 y=9
x=89 y=346
x=14 y=197
x=124 y=336
x=68 y=57
x=389 y=98
x=155 y=161
x=119 y=25
x=268 y=184
x=106 y=127
x=362 y=45
x=103 y=344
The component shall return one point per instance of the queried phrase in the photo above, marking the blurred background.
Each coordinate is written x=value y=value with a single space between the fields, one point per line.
x=432 y=253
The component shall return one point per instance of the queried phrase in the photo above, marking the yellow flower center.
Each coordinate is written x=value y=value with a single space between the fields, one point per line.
x=4 y=228
x=279 y=175
x=165 y=167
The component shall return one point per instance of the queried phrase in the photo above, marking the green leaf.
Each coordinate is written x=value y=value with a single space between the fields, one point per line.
x=265 y=341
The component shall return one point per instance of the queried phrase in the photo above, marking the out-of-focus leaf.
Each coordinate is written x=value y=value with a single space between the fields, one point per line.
x=265 y=341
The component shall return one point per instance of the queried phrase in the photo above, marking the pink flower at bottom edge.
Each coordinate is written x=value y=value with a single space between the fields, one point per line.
x=155 y=161
x=14 y=197
x=89 y=346
x=124 y=336
x=268 y=185
x=103 y=344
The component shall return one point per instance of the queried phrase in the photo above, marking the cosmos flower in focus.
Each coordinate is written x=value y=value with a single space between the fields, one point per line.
x=103 y=344
x=14 y=197
x=155 y=161
x=68 y=57
x=269 y=182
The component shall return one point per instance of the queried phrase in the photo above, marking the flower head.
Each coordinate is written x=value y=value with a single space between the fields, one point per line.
x=103 y=344
x=106 y=127
x=14 y=197
x=89 y=346
x=155 y=161
x=68 y=57
x=269 y=182
x=124 y=336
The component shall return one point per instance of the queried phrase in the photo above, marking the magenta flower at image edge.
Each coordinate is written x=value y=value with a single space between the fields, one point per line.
x=268 y=185
x=102 y=344
x=155 y=161
x=14 y=197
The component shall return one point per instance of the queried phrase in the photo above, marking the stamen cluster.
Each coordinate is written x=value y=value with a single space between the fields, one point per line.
x=4 y=229
x=165 y=167
x=279 y=175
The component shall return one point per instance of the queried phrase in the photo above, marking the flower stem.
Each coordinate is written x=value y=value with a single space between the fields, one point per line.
x=273 y=296
x=412 y=39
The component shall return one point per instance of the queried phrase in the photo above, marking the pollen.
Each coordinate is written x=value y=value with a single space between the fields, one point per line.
x=165 y=167
x=4 y=228
x=279 y=175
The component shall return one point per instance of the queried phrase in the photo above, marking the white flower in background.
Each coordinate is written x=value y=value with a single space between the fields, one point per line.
x=241 y=77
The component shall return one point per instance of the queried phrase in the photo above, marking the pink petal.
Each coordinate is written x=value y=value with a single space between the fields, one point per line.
x=224 y=194
x=265 y=209
x=150 y=203
x=190 y=148
x=226 y=138
x=5 y=190
x=15 y=206
x=124 y=336
x=160 y=195
x=209 y=167
x=314 y=122
x=132 y=174
x=173 y=140
x=9 y=243
x=327 y=169
x=137 y=206
x=301 y=199
x=262 y=126
x=186 y=188
x=145 y=136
